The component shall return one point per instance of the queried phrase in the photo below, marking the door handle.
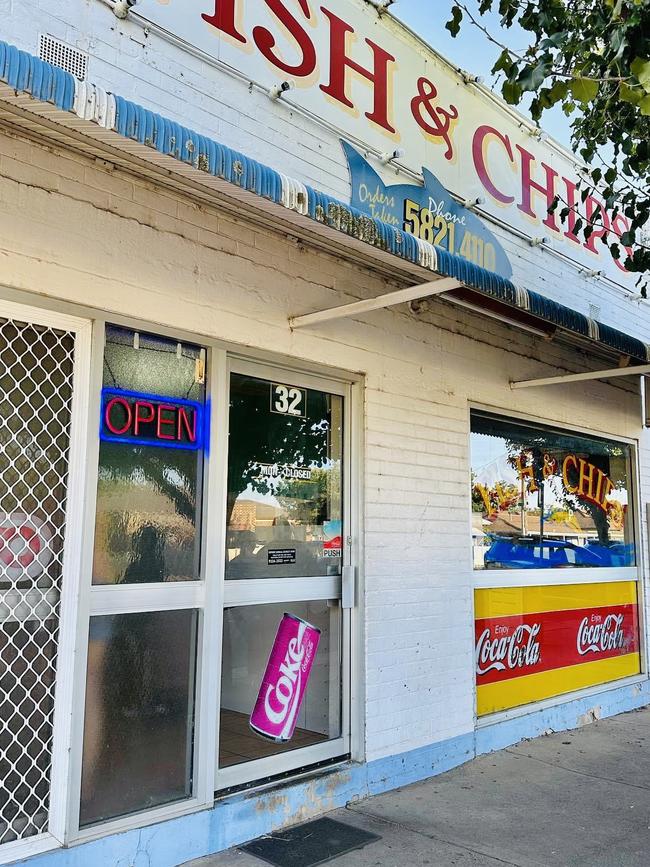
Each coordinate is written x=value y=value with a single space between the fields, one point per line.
x=348 y=586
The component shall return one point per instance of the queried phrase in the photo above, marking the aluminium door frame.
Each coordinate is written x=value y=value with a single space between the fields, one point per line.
x=269 y=591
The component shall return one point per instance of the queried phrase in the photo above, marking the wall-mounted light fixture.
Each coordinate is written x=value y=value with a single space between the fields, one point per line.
x=539 y=242
x=389 y=157
x=381 y=5
x=278 y=90
x=121 y=8
x=473 y=203
x=469 y=77
x=535 y=132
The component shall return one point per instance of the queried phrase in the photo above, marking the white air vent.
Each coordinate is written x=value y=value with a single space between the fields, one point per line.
x=59 y=54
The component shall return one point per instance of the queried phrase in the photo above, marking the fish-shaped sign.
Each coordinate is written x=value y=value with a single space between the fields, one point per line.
x=427 y=211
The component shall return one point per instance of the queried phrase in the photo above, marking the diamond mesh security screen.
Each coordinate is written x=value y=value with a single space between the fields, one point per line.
x=36 y=365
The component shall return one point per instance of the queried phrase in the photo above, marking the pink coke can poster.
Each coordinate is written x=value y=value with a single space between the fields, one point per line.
x=285 y=680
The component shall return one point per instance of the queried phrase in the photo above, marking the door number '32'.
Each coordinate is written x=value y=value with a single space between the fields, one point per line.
x=288 y=400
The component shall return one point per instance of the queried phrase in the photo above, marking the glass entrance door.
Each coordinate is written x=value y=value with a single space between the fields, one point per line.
x=287 y=517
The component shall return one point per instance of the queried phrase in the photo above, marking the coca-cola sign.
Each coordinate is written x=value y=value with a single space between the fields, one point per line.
x=565 y=638
x=513 y=646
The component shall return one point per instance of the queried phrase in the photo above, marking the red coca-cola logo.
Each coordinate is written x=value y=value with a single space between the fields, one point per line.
x=516 y=645
x=511 y=650
x=602 y=635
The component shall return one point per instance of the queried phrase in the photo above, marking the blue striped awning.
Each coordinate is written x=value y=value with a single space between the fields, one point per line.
x=42 y=81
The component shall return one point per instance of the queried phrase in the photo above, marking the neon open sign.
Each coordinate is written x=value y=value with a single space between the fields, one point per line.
x=150 y=420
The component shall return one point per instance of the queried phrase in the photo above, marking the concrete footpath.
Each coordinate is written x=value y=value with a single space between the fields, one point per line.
x=573 y=798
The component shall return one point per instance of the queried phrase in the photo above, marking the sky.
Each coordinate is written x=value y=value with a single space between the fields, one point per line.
x=471 y=49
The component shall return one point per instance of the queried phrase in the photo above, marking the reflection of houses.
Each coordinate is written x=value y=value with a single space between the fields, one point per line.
x=253 y=515
x=579 y=529
x=266 y=518
x=257 y=516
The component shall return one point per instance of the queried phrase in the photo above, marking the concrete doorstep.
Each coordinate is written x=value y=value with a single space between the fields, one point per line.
x=569 y=799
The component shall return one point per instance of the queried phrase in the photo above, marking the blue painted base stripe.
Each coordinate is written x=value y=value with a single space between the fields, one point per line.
x=243 y=817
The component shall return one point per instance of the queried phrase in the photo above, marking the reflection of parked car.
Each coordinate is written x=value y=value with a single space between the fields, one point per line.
x=615 y=554
x=529 y=553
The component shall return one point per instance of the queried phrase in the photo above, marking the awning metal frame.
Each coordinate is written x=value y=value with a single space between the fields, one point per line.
x=401 y=296
x=638 y=370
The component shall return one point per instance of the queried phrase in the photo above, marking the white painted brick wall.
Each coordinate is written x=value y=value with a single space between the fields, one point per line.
x=74 y=230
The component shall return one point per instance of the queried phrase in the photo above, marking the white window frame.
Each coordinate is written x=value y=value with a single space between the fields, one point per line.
x=97 y=600
x=495 y=578
x=503 y=578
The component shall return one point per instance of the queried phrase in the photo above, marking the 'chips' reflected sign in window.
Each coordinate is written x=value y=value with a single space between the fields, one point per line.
x=546 y=499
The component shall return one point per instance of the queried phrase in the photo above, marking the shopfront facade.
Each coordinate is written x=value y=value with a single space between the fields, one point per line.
x=185 y=461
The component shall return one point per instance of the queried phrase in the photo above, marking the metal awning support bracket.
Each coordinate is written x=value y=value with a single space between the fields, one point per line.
x=401 y=296
x=639 y=370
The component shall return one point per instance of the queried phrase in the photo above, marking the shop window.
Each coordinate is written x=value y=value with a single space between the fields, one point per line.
x=545 y=499
x=151 y=460
x=139 y=720
x=249 y=633
x=138 y=740
x=284 y=481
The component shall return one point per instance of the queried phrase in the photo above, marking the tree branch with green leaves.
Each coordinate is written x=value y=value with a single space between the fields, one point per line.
x=592 y=58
